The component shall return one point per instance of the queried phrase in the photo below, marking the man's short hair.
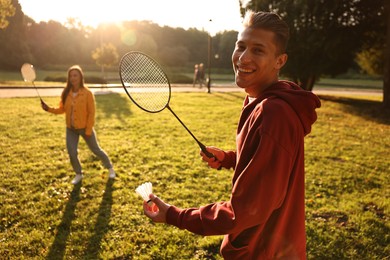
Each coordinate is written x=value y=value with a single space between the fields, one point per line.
x=270 y=22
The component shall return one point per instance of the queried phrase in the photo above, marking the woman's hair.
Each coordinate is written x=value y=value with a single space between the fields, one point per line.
x=68 y=85
x=270 y=22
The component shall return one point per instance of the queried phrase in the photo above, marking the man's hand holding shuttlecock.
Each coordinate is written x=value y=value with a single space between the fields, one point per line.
x=157 y=211
x=154 y=208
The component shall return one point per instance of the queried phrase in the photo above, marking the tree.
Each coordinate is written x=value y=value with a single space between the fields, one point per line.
x=55 y=45
x=6 y=10
x=386 y=74
x=105 y=56
x=52 y=43
x=174 y=55
x=371 y=59
x=325 y=34
x=224 y=47
x=13 y=42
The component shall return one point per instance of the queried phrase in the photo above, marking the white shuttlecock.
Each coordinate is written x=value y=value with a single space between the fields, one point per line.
x=144 y=190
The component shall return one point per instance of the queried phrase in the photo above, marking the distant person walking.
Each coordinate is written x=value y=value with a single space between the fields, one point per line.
x=201 y=75
x=196 y=75
x=78 y=104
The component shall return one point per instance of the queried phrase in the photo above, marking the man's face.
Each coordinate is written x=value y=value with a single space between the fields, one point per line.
x=256 y=60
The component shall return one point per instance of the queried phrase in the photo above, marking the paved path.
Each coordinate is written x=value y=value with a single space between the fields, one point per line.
x=11 y=92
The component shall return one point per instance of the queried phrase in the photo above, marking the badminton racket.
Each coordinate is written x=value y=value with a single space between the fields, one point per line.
x=148 y=86
x=28 y=74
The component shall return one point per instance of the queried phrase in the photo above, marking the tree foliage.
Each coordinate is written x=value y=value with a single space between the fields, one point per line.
x=48 y=44
x=325 y=34
x=13 y=42
x=371 y=60
x=223 y=47
x=6 y=10
x=386 y=74
x=105 y=56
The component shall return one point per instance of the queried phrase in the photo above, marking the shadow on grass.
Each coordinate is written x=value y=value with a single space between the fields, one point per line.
x=231 y=96
x=114 y=104
x=102 y=223
x=57 y=249
x=368 y=109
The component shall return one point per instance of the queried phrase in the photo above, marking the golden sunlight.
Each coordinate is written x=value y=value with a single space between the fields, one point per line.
x=224 y=14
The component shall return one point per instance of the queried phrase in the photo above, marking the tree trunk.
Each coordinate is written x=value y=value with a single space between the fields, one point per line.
x=386 y=72
x=308 y=83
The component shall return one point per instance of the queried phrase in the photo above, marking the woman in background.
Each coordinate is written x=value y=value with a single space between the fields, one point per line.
x=78 y=104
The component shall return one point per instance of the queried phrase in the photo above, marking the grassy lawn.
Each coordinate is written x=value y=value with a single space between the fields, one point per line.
x=44 y=216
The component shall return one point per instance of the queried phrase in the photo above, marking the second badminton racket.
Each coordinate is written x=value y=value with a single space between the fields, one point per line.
x=28 y=74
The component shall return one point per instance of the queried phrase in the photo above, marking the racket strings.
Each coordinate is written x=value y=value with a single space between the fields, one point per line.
x=28 y=72
x=145 y=82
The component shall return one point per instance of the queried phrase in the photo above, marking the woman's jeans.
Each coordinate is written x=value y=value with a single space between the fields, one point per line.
x=72 y=141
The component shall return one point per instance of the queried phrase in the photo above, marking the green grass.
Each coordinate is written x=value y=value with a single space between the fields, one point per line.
x=44 y=216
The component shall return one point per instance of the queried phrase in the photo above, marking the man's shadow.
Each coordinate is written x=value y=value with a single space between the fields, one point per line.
x=57 y=249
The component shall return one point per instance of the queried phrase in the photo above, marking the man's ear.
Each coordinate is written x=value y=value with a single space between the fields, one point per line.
x=281 y=60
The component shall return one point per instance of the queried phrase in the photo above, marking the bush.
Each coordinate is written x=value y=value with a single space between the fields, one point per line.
x=89 y=79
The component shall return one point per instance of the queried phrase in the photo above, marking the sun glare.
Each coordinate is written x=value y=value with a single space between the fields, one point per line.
x=213 y=16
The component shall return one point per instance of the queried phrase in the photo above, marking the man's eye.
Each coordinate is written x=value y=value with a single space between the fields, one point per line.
x=258 y=51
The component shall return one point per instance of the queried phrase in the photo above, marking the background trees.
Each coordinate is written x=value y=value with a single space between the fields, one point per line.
x=328 y=37
x=6 y=10
x=105 y=56
x=13 y=45
x=48 y=44
x=386 y=73
x=326 y=34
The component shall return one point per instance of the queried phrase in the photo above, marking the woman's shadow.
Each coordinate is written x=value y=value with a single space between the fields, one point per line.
x=102 y=222
x=58 y=248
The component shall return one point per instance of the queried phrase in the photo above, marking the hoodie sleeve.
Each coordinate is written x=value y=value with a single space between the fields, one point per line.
x=230 y=160
x=260 y=180
x=259 y=190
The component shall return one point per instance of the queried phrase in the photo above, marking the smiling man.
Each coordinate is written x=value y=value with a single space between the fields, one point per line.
x=265 y=216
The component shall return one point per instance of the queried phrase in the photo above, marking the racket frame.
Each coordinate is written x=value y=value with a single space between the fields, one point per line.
x=157 y=65
x=30 y=70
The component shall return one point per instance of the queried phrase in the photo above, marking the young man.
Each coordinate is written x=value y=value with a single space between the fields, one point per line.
x=265 y=216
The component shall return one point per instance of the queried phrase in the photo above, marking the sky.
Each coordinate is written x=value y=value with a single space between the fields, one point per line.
x=224 y=14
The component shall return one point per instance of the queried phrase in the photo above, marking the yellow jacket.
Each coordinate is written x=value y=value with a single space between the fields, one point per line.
x=82 y=107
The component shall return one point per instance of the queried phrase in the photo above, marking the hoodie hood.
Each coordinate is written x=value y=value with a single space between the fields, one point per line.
x=303 y=102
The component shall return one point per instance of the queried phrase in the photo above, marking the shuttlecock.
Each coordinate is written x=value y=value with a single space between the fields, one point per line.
x=144 y=190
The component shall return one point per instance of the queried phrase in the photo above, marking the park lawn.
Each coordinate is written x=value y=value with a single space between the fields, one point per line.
x=44 y=216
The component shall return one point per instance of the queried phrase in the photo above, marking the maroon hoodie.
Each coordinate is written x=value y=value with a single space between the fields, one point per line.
x=265 y=216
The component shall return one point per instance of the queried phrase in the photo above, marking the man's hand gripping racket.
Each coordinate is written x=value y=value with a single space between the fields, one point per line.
x=147 y=85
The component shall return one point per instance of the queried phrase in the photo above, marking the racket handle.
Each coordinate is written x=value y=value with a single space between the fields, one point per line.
x=208 y=154
x=204 y=150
